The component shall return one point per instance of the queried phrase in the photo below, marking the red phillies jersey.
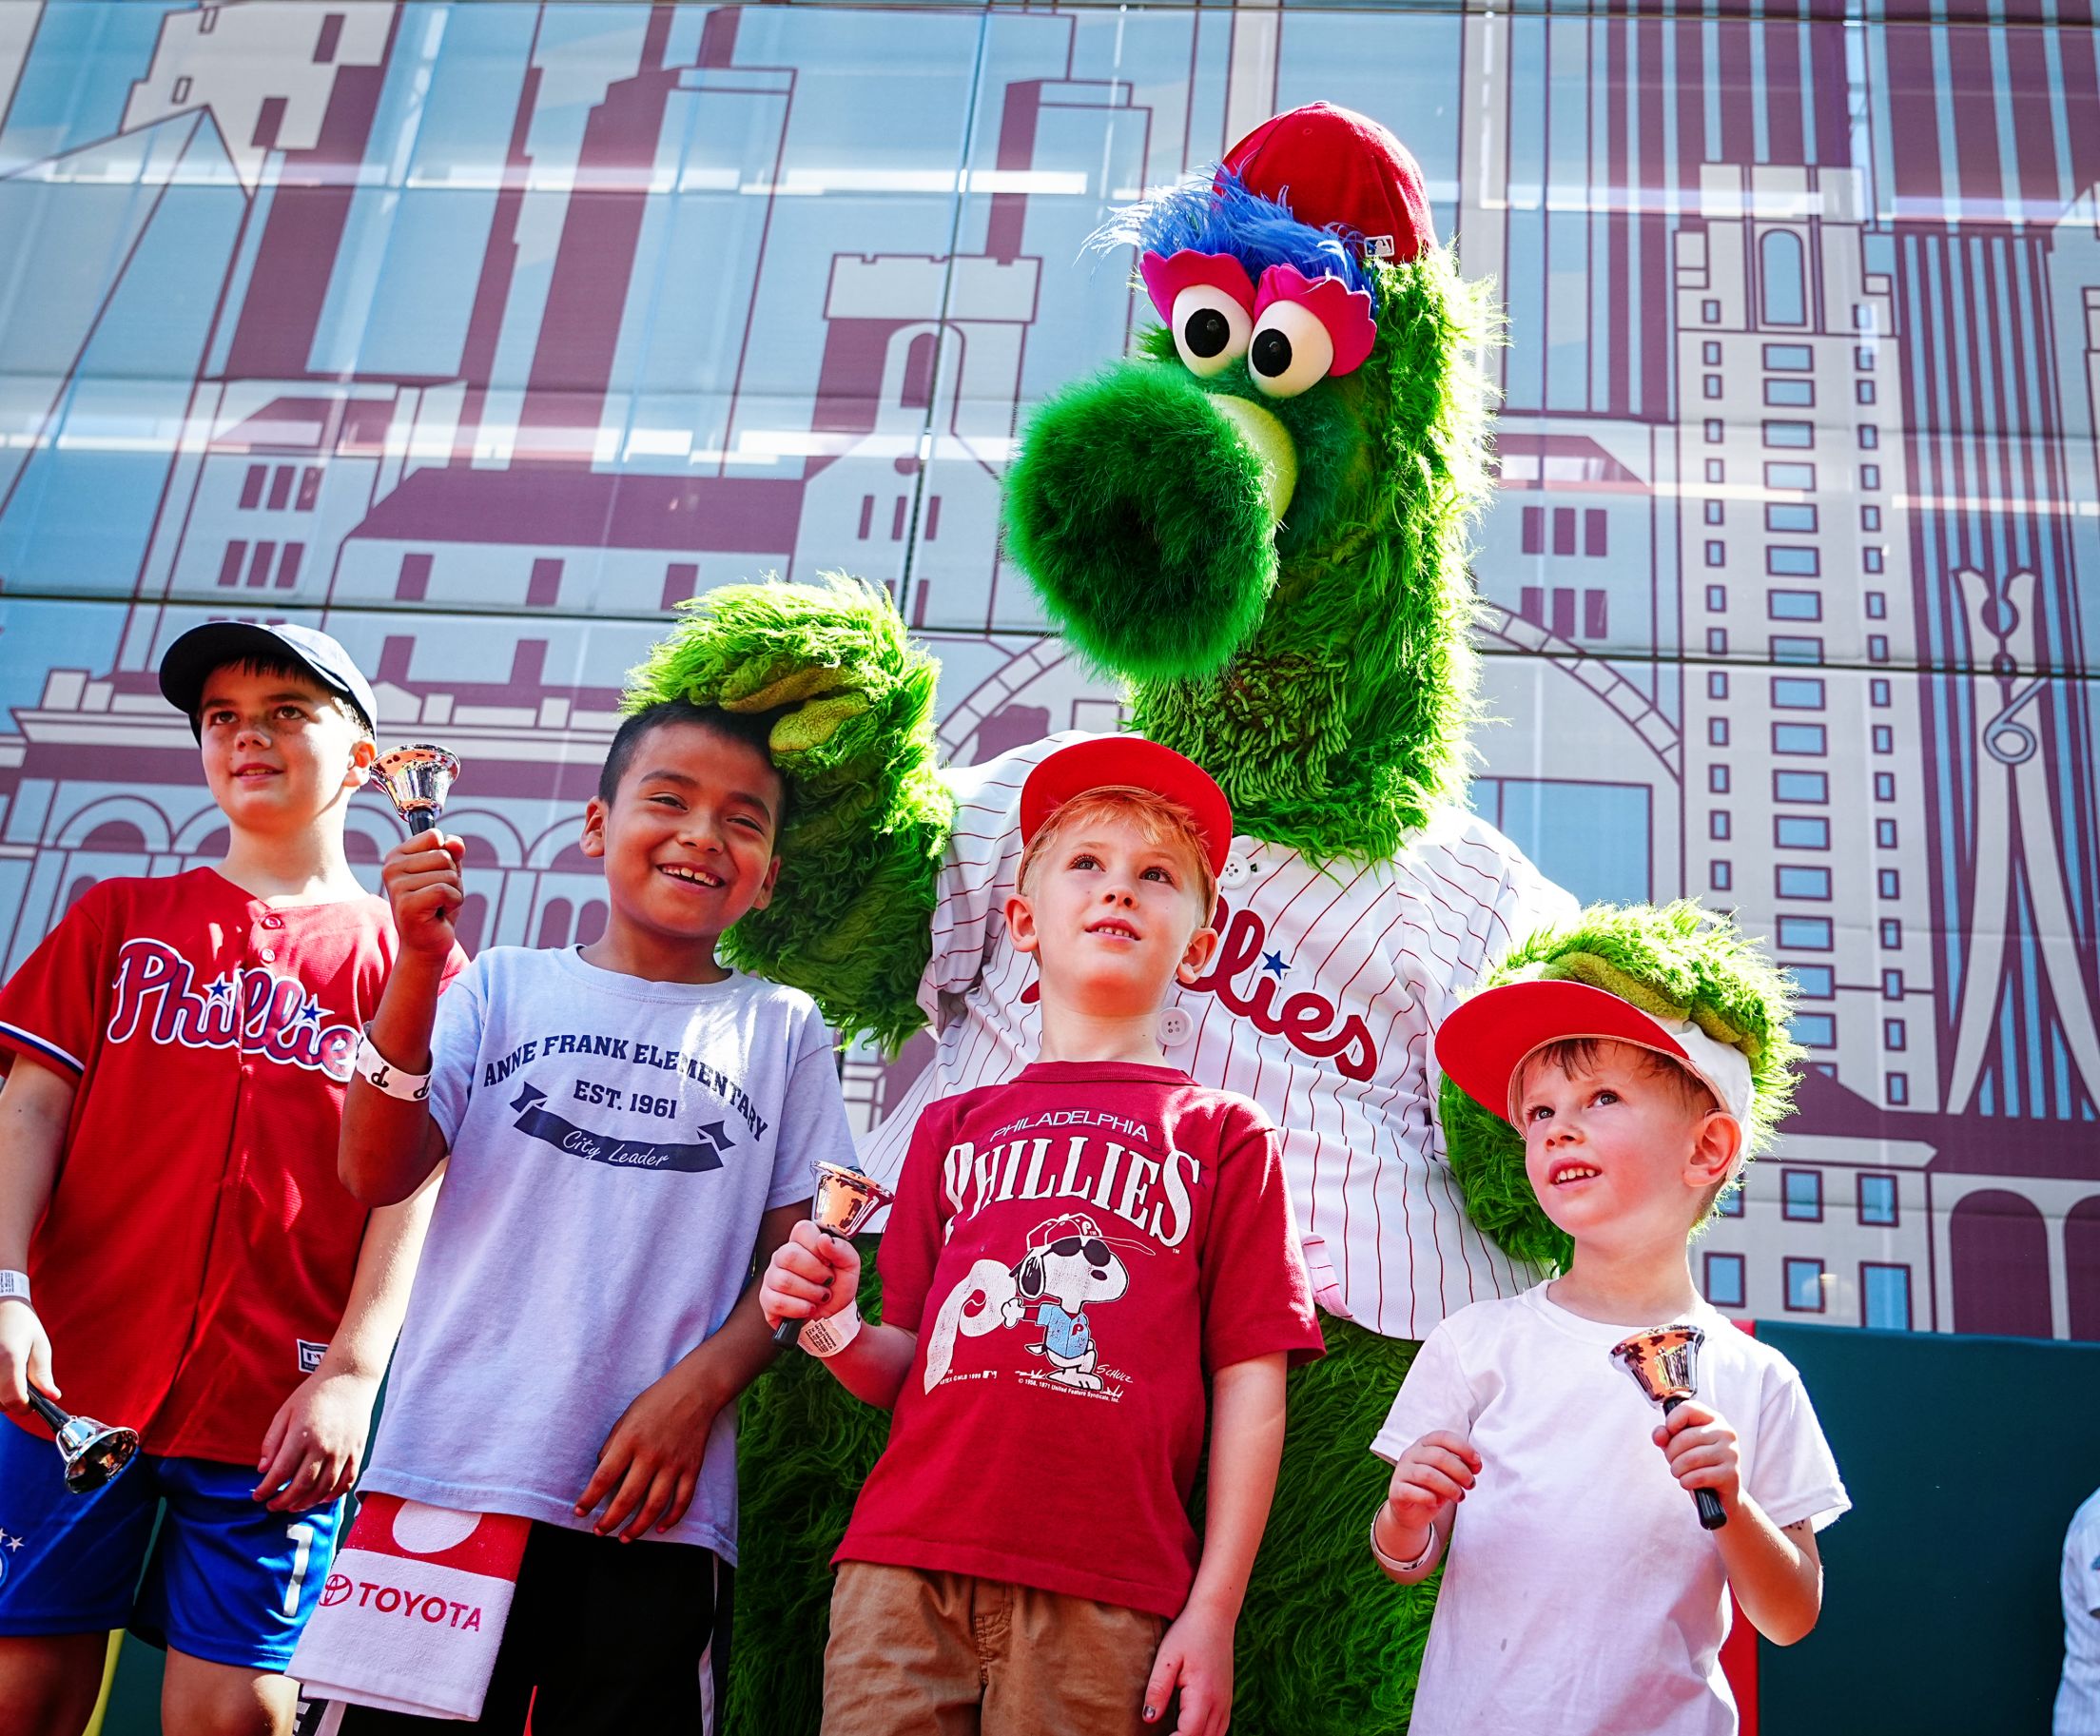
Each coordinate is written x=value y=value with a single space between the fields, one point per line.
x=197 y=1250
x=1078 y=1252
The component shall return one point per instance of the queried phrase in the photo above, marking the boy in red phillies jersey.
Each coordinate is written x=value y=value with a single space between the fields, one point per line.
x=177 y=1255
x=1078 y=1263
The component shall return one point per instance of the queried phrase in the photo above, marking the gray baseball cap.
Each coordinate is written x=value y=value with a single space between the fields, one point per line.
x=187 y=664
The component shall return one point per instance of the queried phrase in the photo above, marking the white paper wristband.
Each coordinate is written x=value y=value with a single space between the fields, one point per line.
x=1393 y=1561
x=382 y=1075
x=14 y=1286
x=825 y=1338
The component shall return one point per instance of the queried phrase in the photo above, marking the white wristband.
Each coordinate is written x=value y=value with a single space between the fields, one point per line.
x=825 y=1338
x=1393 y=1561
x=382 y=1075
x=14 y=1286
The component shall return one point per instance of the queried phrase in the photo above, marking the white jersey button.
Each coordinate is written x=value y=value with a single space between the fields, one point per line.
x=1176 y=1027
x=1235 y=870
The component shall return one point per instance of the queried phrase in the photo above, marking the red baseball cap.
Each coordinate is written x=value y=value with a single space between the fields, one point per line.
x=1485 y=1044
x=1330 y=166
x=1107 y=760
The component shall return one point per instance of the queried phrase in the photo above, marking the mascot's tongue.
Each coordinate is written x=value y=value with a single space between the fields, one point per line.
x=1271 y=442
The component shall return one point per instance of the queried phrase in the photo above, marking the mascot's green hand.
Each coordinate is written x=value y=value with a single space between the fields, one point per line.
x=852 y=691
x=1677 y=962
x=851 y=701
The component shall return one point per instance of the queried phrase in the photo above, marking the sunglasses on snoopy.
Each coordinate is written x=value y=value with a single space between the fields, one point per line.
x=1094 y=1247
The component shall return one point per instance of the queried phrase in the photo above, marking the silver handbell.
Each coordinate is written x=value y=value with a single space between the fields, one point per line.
x=1663 y=1362
x=93 y=1452
x=417 y=779
x=845 y=1199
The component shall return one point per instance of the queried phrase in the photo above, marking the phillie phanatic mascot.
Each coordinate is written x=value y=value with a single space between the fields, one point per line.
x=1259 y=523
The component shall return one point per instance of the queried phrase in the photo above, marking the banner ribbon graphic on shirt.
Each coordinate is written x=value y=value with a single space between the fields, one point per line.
x=566 y=1136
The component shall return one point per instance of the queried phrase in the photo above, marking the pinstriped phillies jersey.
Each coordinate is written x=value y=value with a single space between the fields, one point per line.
x=1321 y=1003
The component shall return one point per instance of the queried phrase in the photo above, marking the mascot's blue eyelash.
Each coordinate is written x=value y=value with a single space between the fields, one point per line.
x=1221 y=216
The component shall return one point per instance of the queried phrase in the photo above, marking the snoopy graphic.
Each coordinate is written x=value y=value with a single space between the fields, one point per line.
x=1067 y=1265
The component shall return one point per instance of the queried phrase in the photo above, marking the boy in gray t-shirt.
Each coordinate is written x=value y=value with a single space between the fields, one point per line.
x=625 y=1125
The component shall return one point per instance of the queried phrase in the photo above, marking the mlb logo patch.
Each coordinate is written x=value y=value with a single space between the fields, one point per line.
x=309 y=1356
x=1380 y=247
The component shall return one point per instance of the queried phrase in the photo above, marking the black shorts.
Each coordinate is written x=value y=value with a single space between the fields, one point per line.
x=605 y=1638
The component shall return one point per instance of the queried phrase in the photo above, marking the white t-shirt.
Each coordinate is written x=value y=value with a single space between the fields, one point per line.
x=2078 y=1695
x=1580 y=1594
x=1321 y=1005
x=614 y=1145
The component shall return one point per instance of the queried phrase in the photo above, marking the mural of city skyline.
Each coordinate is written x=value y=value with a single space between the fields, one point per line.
x=483 y=334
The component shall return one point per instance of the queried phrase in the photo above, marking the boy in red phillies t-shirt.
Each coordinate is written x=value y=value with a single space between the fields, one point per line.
x=1073 y=1257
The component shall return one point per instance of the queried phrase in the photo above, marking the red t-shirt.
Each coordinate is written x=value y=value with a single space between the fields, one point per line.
x=1078 y=1249
x=197 y=1249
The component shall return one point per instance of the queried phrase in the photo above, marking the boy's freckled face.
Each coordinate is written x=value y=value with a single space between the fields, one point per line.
x=278 y=749
x=1606 y=1148
x=1112 y=916
x=688 y=839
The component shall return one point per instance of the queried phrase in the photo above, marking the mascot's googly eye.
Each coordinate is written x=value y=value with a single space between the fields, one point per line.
x=1307 y=328
x=1291 y=351
x=1208 y=303
x=1211 y=329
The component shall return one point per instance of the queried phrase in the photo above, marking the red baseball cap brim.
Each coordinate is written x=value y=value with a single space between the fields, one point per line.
x=1483 y=1043
x=1109 y=760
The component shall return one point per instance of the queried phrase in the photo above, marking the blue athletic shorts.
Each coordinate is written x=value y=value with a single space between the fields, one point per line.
x=224 y=1578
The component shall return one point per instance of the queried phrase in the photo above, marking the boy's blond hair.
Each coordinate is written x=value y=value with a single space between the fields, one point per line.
x=1158 y=821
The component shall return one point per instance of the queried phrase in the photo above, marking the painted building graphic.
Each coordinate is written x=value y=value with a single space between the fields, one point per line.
x=481 y=334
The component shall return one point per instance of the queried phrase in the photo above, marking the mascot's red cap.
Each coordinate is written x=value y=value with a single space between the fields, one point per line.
x=1332 y=165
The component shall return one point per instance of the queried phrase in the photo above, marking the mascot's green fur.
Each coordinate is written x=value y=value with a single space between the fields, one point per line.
x=1279 y=579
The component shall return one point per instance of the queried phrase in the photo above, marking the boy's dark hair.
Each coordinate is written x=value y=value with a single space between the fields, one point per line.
x=753 y=729
x=283 y=669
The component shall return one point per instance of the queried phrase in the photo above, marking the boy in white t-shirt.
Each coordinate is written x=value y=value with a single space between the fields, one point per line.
x=1581 y=1594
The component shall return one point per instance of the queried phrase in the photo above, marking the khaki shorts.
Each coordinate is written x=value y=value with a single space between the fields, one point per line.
x=916 y=1653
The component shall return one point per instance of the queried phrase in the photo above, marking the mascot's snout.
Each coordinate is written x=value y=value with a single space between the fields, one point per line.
x=1145 y=510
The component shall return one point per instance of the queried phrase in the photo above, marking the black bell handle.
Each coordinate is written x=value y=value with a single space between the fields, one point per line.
x=1711 y=1514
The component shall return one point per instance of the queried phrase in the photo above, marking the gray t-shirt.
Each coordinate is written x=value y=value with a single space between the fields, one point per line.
x=614 y=1145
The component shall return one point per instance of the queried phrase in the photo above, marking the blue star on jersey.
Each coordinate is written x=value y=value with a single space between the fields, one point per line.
x=1273 y=962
